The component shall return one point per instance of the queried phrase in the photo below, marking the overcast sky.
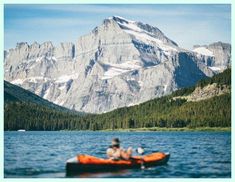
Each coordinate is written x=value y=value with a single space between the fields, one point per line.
x=185 y=24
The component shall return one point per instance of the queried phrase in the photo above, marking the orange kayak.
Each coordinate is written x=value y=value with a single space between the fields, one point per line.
x=86 y=163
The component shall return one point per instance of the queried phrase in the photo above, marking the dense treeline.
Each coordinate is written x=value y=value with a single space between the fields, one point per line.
x=30 y=116
x=160 y=112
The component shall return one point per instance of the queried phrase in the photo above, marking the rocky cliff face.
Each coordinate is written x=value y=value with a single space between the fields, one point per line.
x=120 y=63
x=216 y=55
x=206 y=92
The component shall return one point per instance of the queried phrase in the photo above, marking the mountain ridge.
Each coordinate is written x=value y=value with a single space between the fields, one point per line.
x=117 y=64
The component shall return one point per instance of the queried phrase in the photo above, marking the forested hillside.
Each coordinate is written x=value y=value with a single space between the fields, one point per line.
x=23 y=109
x=160 y=112
x=14 y=93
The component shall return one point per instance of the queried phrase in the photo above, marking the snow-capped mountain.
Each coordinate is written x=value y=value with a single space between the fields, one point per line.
x=120 y=63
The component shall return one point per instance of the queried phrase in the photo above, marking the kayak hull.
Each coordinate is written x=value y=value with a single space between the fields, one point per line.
x=90 y=164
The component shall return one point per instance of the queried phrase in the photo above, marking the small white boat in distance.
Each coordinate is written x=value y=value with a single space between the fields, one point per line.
x=21 y=130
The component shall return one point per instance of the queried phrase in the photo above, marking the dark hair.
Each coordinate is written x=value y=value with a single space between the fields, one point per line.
x=117 y=145
x=116 y=140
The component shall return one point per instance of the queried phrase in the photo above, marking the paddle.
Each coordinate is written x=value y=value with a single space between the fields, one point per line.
x=140 y=151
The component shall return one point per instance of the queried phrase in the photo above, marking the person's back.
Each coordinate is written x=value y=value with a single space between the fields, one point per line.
x=115 y=152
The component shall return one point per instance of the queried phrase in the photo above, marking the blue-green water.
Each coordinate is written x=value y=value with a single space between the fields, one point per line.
x=43 y=154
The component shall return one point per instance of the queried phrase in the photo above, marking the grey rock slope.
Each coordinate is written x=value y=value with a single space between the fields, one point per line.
x=120 y=63
x=217 y=56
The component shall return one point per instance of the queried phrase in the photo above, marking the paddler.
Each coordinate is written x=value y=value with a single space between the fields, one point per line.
x=115 y=152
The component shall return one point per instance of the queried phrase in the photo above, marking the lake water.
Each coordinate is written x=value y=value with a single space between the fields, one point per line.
x=43 y=154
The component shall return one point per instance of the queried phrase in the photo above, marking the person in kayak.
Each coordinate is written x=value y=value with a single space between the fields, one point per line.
x=115 y=152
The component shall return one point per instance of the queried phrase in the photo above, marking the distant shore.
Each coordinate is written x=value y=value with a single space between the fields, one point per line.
x=158 y=129
x=172 y=129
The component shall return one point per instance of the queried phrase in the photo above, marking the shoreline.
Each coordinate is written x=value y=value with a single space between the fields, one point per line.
x=152 y=129
x=212 y=129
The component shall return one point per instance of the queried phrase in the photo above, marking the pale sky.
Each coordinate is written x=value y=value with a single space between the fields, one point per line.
x=187 y=25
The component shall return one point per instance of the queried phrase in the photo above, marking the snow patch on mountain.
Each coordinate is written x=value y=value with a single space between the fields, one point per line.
x=66 y=78
x=203 y=51
x=18 y=81
x=144 y=37
x=215 y=68
x=36 y=79
x=29 y=79
x=118 y=69
x=47 y=93
x=132 y=28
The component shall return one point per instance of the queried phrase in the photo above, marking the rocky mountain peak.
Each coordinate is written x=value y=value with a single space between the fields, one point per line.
x=220 y=45
x=65 y=49
x=120 y=19
x=217 y=55
x=20 y=45
x=119 y=63
x=5 y=54
x=47 y=45
x=139 y=29
x=35 y=44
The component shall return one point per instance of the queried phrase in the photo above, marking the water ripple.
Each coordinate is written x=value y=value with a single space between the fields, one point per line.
x=193 y=154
